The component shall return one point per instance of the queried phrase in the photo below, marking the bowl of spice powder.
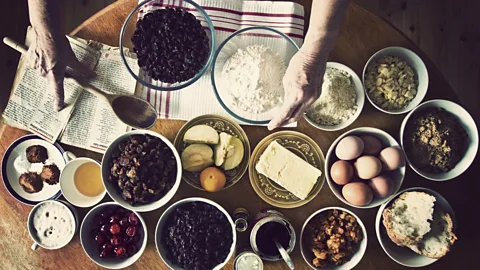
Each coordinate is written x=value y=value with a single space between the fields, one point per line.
x=341 y=100
x=440 y=139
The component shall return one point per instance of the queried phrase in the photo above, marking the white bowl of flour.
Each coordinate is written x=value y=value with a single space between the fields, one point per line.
x=341 y=101
x=247 y=73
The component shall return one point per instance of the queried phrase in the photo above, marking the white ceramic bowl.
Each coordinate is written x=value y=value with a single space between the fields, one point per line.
x=356 y=258
x=468 y=124
x=417 y=65
x=357 y=84
x=72 y=213
x=91 y=248
x=115 y=193
x=387 y=140
x=70 y=191
x=164 y=217
x=403 y=255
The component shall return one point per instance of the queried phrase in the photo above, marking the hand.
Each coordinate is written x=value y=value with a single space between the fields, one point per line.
x=303 y=85
x=51 y=55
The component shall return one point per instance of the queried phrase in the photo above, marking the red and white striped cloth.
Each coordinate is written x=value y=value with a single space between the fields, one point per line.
x=227 y=16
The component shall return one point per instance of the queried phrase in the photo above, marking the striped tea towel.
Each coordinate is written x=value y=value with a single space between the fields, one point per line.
x=228 y=16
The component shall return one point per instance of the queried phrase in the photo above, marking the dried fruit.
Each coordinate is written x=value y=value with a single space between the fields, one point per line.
x=171 y=45
x=116 y=238
x=143 y=168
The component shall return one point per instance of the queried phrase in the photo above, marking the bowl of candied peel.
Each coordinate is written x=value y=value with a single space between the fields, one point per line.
x=333 y=238
x=112 y=236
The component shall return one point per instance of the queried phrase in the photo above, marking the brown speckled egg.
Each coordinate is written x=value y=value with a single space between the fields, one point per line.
x=341 y=172
x=367 y=167
x=382 y=186
x=349 y=148
x=392 y=158
x=357 y=193
x=372 y=145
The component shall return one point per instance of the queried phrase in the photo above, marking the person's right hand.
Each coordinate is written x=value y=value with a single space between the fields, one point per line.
x=303 y=85
x=51 y=56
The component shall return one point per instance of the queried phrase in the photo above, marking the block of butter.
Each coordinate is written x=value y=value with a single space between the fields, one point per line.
x=288 y=170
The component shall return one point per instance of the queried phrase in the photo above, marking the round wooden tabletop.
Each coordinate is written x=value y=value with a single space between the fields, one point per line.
x=362 y=34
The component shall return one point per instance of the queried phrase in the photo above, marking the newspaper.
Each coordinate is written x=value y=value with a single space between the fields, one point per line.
x=85 y=122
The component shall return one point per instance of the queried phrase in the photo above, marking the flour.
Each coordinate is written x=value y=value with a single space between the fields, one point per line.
x=253 y=77
x=337 y=103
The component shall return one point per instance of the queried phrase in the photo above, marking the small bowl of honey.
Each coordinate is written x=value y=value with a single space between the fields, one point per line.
x=81 y=181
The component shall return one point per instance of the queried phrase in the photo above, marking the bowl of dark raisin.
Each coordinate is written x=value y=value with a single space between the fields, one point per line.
x=141 y=170
x=195 y=233
x=112 y=236
x=174 y=43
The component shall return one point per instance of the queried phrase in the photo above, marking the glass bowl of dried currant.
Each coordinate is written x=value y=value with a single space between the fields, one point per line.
x=112 y=236
x=173 y=42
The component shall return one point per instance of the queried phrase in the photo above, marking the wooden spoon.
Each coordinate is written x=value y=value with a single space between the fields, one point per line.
x=131 y=110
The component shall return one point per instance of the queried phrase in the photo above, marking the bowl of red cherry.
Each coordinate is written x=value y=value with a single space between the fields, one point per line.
x=112 y=236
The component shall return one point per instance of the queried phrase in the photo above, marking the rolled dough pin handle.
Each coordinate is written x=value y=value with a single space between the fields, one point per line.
x=15 y=45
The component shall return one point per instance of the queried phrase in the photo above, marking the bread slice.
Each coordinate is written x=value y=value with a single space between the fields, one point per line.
x=407 y=220
x=436 y=243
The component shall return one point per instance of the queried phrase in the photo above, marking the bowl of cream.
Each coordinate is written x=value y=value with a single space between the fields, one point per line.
x=52 y=224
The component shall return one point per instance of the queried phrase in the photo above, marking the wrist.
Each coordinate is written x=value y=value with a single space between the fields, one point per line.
x=318 y=47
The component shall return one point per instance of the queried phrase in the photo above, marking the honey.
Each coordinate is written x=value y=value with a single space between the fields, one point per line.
x=88 y=180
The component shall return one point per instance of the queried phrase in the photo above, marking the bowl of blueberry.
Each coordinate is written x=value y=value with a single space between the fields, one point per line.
x=112 y=236
x=195 y=233
x=174 y=43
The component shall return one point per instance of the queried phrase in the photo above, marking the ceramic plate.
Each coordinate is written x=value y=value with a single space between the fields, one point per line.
x=302 y=146
x=403 y=255
x=220 y=124
x=12 y=170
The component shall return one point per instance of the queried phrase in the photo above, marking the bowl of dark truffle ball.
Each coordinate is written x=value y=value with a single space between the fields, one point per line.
x=440 y=140
x=195 y=233
x=141 y=170
x=174 y=43
x=112 y=236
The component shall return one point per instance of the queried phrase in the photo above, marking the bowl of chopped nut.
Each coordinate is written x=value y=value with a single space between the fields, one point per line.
x=141 y=170
x=395 y=80
x=323 y=235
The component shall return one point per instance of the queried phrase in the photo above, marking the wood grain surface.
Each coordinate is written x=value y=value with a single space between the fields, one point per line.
x=361 y=35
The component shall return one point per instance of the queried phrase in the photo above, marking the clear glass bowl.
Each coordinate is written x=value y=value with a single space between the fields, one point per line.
x=129 y=27
x=276 y=40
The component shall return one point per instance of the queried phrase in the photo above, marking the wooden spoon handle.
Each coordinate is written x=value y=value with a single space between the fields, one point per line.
x=85 y=85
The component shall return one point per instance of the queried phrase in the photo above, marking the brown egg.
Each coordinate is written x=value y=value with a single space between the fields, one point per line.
x=392 y=158
x=382 y=186
x=349 y=148
x=357 y=193
x=372 y=145
x=367 y=167
x=341 y=172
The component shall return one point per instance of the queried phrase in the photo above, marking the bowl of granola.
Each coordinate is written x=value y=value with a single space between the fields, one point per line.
x=333 y=238
x=395 y=80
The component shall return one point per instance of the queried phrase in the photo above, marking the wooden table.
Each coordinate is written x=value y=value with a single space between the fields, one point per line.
x=361 y=35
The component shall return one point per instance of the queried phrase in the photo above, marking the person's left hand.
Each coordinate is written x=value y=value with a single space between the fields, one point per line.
x=303 y=85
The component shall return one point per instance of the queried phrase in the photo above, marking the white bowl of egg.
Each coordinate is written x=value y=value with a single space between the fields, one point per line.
x=365 y=167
